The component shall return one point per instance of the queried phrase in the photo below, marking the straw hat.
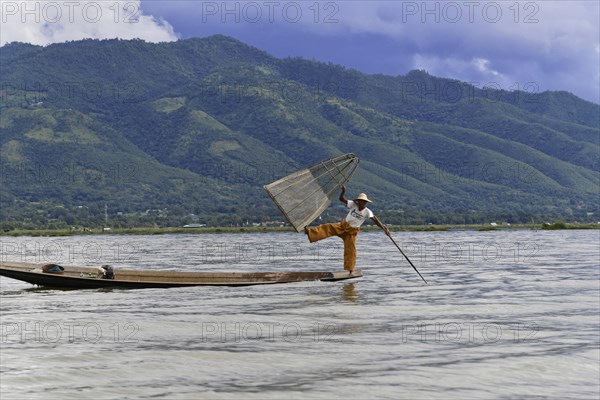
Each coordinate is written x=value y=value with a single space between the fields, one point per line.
x=364 y=197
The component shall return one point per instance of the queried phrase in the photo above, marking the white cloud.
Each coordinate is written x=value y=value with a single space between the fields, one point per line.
x=483 y=66
x=43 y=22
x=477 y=71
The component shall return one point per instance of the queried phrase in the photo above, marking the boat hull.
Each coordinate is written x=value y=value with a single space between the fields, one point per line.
x=85 y=278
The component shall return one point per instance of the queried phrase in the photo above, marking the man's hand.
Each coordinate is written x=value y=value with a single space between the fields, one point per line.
x=381 y=225
x=342 y=198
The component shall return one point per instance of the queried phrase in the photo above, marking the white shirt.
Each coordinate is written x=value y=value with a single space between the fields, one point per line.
x=355 y=217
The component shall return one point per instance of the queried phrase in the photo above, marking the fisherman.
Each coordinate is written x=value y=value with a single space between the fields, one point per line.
x=348 y=228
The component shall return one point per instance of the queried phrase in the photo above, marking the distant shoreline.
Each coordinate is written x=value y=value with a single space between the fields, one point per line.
x=252 y=229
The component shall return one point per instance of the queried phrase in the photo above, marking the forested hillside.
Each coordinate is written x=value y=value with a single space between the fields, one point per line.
x=153 y=133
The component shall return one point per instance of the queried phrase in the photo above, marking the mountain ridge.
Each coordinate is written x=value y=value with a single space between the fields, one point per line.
x=209 y=121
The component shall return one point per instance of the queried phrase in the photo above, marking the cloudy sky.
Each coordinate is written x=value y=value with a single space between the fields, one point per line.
x=530 y=45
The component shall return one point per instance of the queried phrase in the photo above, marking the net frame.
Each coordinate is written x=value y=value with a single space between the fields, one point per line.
x=316 y=184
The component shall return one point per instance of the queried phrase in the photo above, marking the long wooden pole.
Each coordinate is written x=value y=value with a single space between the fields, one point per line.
x=407 y=259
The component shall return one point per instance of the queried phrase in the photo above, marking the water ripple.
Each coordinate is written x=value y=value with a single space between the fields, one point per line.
x=508 y=314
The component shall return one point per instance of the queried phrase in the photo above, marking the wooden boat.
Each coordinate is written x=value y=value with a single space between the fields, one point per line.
x=85 y=277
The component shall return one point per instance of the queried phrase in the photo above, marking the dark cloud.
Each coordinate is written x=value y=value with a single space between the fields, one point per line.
x=552 y=43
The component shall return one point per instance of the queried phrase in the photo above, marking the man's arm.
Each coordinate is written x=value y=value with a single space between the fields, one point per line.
x=343 y=199
x=381 y=225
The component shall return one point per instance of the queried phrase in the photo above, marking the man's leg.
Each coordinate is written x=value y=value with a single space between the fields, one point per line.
x=323 y=231
x=349 y=252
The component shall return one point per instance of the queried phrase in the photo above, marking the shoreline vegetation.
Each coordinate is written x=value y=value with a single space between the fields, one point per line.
x=261 y=229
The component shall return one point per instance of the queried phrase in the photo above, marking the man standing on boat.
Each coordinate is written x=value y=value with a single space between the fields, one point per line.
x=348 y=228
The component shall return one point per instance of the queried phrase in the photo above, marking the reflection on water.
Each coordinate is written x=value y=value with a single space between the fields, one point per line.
x=349 y=292
x=507 y=314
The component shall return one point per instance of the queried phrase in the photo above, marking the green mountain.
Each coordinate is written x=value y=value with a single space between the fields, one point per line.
x=156 y=132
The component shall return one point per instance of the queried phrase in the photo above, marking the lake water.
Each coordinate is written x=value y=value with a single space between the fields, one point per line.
x=507 y=314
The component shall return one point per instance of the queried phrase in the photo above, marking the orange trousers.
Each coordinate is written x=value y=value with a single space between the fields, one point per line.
x=342 y=230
